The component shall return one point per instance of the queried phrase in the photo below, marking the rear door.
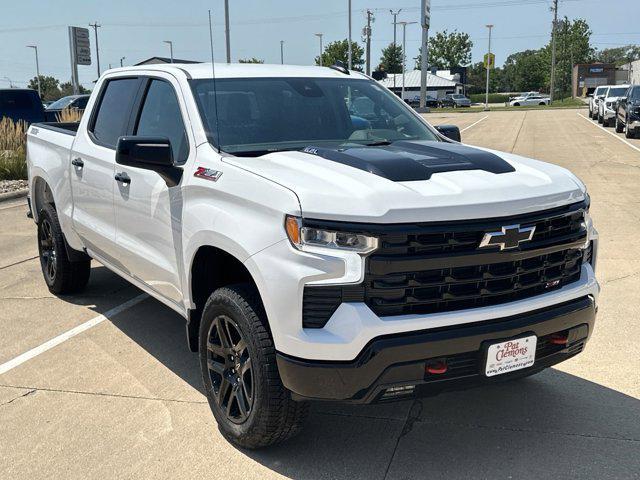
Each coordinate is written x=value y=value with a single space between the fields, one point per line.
x=148 y=213
x=93 y=164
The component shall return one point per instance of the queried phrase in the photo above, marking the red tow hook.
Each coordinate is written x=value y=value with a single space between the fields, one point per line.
x=559 y=338
x=437 y=367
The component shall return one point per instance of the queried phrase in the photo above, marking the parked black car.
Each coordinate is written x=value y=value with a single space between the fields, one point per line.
x=628 y=113
x=21 y=104
x=75 y=102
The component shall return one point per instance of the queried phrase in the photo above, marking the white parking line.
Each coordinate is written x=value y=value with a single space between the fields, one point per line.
x=48 y=345
x=609 y=132
x=474 y=124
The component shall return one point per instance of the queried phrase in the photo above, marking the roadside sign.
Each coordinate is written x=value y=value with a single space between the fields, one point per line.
x=80 y=45
x=427 y=14
x=489 y=60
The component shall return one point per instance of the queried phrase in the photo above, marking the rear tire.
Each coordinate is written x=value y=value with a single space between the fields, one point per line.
x=241 y=380
x=516 y=104
x=542 y=103
x=60 y=274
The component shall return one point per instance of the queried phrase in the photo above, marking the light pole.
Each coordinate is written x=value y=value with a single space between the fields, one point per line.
x=281 y=52
x=404 y=54
x=121 y=59
x=319 y=35
x=227 y=32
x=35 y=47
x=95 y=26
x=486 y=98
x=425 y=13
x=170 y=48
x=395 y=44
x=349 y=55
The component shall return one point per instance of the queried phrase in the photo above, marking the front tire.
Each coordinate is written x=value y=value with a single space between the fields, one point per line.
x=627 y=131
x=241 y=380
x=619 y=127
x=60 y=274
x=600 y=119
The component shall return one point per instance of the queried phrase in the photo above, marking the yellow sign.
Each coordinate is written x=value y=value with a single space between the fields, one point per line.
x=489 y=60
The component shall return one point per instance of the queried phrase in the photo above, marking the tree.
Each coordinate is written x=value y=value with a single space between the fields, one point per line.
x=448 y=50
x=618 y=55
x=66 y=89
x=391 y=60
x=49 y=87
x=526 y=71
x=250 y=60
x=339 y=51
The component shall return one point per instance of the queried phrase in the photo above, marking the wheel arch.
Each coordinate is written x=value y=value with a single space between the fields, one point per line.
x=211 y=268
x=41 y=194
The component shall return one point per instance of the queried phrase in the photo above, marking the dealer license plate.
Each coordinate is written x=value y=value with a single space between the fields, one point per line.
x=510 y=355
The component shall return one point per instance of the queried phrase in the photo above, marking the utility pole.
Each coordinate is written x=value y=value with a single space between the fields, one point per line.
x=319 y=35
x=350 y=60
x=425 y=12
x=404 y=49
x=367 y=35
x=227 y=32
x=395 y=44
x=486 y=98
x=35 y=47
x=121 y=59
x=170 y=48
x=95 y=26
x=281 y=52
x=553 y=49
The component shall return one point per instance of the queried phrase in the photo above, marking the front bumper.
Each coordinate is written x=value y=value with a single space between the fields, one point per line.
x=393 y=367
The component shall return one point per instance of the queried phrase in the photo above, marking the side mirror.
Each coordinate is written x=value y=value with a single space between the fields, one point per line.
x=149 y=153
x=452 y=132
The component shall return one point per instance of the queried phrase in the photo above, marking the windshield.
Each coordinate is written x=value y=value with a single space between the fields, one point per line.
x=60 y=104
x=261 y=115
x=635 y=94
x=457 y=95
x=601 y=91
x=617 y=91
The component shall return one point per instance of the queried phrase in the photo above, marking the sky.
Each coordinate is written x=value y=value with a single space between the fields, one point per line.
x=135 y=29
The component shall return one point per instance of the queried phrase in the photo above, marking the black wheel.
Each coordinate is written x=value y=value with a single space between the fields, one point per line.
x=61 y=275
x=238 y=361
x=516 y=104
x=542 y=103
x=600 y=118
x=619 y=127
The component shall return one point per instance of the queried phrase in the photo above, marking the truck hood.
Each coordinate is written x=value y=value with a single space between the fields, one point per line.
x=415 y=182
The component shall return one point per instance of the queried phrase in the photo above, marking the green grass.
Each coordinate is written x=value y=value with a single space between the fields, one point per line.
x=493 y=97
x=571 y=103
x=13 y=165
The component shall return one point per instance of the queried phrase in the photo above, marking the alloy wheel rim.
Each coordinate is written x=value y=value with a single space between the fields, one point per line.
x=230 y=369
x=48 y=257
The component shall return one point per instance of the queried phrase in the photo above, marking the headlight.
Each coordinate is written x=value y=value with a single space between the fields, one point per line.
x=301 y=236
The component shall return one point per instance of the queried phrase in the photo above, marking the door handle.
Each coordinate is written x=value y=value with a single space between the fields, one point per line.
x=122 y=177
x=77 y=162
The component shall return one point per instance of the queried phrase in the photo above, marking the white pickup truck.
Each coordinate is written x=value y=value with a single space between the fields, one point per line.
x=321 y=239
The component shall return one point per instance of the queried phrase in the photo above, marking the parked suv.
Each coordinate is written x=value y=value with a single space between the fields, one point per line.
x=595 y=100
x=628 y=112
x=318 y=250
x=608 y=103
x=455 y=100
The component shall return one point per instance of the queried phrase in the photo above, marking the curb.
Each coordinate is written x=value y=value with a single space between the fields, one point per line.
x=12 y=195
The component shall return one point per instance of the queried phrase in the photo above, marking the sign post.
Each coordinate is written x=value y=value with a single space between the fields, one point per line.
x=80 y=51
x=424 y=61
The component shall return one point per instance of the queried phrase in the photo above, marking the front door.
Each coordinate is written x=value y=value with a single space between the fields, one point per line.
x=148 y=213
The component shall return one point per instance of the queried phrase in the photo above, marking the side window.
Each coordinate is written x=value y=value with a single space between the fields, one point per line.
x=160 y=117
x=113 y=113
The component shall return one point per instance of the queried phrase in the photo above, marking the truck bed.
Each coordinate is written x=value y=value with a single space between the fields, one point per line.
x=68 y=128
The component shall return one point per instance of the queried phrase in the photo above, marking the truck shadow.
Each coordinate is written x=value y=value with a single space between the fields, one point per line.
x=548 y=426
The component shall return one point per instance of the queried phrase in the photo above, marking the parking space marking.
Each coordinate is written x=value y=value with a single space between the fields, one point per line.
x=63 y=337
x=609 y=132
x=474 y=124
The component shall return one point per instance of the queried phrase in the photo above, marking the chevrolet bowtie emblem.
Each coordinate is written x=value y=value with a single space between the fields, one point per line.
x=509 y=237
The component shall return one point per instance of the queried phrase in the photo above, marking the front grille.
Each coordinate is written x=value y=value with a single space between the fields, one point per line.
x=439 y=267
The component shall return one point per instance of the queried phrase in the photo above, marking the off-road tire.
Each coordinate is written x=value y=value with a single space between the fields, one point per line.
x=273 y=416
x=61 y=275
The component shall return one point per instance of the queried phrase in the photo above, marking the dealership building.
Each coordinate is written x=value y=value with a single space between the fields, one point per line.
x=439 y=84
x=588 y=76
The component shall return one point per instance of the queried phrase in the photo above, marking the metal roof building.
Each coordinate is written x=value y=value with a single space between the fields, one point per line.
x=437 y=86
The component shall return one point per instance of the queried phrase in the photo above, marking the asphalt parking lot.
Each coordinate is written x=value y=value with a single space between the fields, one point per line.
x=123 y=398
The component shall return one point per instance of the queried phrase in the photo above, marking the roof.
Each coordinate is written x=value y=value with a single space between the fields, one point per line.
x=244 y=70
x=157 y=60
x=412 y=80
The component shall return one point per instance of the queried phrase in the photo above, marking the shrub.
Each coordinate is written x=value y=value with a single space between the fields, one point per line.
x=69 y=115
x=13 y=164
x=493 y=97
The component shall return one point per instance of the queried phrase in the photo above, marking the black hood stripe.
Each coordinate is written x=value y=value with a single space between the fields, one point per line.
x=406 y=161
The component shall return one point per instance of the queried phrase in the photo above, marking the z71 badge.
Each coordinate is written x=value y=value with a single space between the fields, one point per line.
x=208 y=174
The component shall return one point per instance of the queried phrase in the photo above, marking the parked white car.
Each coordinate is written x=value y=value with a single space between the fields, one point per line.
x=531 y=98
x=316 y=254
x=608 y=103
x=594 y=101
